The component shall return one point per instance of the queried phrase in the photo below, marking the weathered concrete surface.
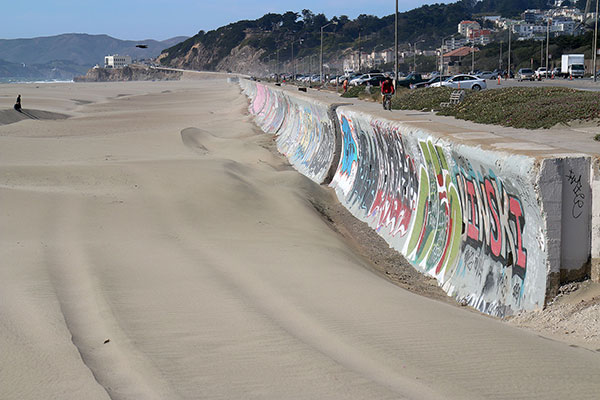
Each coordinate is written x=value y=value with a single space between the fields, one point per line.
x=305 y=132
x=498 y=220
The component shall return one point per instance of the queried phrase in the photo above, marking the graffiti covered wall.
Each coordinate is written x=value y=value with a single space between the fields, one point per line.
x=448 y=209
x=496 y=229
x=305 y=133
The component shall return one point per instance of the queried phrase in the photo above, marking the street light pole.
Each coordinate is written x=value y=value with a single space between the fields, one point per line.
x=321 y=70
x=508 y=66
x=547 y=44
x=359 y=51
x=442 y=58
x=396 y=47
x=473 y=58
x=442 y=53
x=415 y=57
x=595 y=41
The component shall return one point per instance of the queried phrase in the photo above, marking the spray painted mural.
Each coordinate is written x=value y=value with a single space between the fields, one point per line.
x=305 y=133
x=468 y=217
x=446 y=209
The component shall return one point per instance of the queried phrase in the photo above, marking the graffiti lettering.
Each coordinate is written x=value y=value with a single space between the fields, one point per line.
x=435 y=238
x=578 y=195
x=350 y=153
x=494 y=220
x=396 y=190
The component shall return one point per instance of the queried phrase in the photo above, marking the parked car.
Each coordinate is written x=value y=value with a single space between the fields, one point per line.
x=428 y=83
x=541 y=73
x=525 y=74
x=411 y=79
x=555 y=71
x=374 y=81
x=463 y=81
x=487 y=75
x=363 y=78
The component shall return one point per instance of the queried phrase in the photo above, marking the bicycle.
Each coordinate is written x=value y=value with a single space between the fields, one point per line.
x=387 y=101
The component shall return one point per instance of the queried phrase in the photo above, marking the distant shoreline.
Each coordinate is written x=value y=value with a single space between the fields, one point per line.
x=16 y=80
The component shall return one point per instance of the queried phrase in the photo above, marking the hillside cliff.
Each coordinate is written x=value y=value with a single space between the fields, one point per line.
x=129 y=73
x=270 y=43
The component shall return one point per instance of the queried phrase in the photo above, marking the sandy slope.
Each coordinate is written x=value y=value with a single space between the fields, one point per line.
x=159 y=218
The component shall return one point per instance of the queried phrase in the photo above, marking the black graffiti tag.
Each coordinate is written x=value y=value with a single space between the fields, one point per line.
x=578 y=195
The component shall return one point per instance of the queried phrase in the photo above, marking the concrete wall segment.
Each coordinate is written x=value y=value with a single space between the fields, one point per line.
x=466 y=216
x=305 y=133
x=595 y=220
x=495 y=222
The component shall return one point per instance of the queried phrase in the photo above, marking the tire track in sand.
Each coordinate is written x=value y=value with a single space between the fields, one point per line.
x=116 y=365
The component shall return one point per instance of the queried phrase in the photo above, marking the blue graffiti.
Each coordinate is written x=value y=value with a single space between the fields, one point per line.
x=350 y=153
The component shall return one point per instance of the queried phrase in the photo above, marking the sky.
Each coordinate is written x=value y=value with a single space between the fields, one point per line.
x=164 y=19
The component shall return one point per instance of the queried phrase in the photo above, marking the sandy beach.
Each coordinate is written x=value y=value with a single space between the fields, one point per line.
x=155 y=246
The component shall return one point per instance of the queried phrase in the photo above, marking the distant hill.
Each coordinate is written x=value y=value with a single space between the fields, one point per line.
x=69 y=54
x=251 y=46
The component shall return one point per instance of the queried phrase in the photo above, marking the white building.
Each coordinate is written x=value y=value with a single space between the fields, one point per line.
x=453 y=44
x=116 y=61
x=465 y=25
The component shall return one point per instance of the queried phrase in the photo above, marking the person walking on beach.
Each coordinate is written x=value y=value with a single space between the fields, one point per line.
x=18 y=104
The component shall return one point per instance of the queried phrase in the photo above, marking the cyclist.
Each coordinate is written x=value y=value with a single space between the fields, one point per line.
x=387 y=90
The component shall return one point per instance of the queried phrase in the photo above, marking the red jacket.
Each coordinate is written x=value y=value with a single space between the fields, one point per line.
x=387 y=87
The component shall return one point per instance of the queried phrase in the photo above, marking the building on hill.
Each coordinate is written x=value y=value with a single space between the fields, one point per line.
x=463 y=26
x=532 y=16
x=453 y=60
x=478 y=36
x=116 y=61
x=352 y=62
x=453 y=44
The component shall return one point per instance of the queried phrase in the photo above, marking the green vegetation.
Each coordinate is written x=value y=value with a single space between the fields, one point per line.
x=508 y=106
x=354 y=91
x=273 y=34
x=421 y=99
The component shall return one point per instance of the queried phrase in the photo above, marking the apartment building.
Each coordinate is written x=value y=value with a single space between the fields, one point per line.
x=116 y=61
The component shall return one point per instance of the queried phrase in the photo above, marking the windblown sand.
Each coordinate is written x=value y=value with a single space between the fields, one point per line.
x=154 y=246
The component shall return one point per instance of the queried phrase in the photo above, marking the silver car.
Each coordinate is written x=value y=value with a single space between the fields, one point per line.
x=525 y=74
x=487 y=75
x=463 y=81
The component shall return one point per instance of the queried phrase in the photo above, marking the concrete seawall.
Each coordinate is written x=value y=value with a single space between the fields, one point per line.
x=497 y=222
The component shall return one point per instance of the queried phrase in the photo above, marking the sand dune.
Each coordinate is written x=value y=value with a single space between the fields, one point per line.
x=155 y=247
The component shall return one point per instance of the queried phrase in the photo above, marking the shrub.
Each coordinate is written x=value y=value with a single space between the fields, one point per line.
x=354 y=91
x=420 y=99
x=513 y=107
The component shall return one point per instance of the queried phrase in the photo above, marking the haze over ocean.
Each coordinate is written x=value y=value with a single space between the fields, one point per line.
x=151 y=19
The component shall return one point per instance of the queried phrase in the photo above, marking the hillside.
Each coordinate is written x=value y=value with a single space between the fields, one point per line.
x=67 y=55
x=251 y=46
x=129 y=73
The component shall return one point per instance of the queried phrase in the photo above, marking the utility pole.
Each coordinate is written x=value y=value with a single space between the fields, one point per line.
x=415 y=57
x=547 y=44
x=500 y=59
x=321 y=69
x=595 y=41
x=359 y=51
x=508 y=67
x=396 y=47
x=472 y=58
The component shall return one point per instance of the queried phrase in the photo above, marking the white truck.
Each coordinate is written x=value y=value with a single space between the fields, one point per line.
x=571 y=65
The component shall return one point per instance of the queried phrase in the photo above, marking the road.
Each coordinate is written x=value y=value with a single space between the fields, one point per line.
x=581 y=84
